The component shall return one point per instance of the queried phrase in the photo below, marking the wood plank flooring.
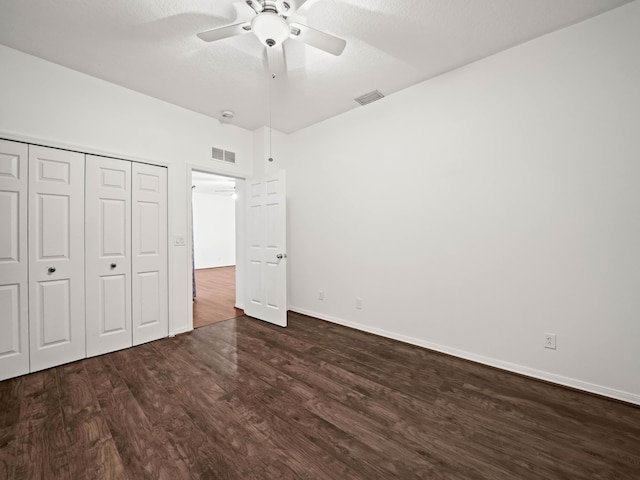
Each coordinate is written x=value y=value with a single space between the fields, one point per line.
x=242 y=399
x=216 y=290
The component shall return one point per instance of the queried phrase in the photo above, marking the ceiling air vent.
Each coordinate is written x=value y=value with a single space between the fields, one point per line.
x=369 y=97
x=223 y=155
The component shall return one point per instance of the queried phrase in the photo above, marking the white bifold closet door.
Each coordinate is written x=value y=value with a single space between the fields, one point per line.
x=126 y=254
x=56 y=257
x=108 y=254
x=14 y=266
x=149 y=253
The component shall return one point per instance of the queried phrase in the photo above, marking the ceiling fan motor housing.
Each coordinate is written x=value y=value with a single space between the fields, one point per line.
x=270 y=28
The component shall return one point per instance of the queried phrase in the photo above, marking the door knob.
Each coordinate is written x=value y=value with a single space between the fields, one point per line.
x=51 y=269
x=280 y=256
x=113 y=265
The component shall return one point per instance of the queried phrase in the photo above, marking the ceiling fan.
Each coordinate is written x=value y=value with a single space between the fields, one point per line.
x=271 y=26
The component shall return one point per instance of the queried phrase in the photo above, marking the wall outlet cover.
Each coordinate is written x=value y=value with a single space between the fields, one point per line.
x=550 y=340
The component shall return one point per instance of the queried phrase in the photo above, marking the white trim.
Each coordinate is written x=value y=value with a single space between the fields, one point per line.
x=510 y=367
x=17 y=137
x=181 y=330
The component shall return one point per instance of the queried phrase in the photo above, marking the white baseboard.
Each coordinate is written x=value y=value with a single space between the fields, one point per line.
x=510 y=367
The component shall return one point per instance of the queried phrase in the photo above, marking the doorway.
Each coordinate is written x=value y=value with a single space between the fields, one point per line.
x=213 y=200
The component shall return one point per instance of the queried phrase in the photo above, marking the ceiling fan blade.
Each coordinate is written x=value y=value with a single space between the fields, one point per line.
x=276 y=61
x=317 y=39
x=295 y=4
x=225 y=32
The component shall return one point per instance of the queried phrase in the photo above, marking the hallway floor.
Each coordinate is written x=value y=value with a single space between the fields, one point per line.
x=216 y=296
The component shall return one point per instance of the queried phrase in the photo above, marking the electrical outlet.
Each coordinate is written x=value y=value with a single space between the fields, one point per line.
x=321 y=295
x=359 y=303
x=550 y=340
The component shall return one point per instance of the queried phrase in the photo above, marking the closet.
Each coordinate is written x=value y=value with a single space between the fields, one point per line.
x=126 y=254
x=83 y=256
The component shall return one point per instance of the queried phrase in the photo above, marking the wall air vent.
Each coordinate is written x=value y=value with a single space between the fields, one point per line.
x=217 y=153
x=367 y=98
x=223 y=155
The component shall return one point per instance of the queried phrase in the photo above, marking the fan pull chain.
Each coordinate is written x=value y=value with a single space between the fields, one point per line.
x=273 y=77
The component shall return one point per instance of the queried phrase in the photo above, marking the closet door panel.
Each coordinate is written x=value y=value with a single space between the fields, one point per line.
x=149 y=253
x=14 y=328
x=108 y=254
x=56 y=257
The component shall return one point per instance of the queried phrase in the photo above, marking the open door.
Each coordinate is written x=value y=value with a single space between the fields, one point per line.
x=266 y=253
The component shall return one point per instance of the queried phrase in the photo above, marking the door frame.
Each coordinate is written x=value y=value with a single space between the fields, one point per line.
x=239 y=227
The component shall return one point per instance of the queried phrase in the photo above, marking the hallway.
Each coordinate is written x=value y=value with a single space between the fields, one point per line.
x=216 y=296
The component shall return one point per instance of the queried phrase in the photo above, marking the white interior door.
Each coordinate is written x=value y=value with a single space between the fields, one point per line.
x=14 y=280
x=149 y=253
x=266 y=255
x=56 y=257
x=108 y=254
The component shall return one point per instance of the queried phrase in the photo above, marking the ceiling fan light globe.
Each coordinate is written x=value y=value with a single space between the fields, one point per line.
x=270 y=28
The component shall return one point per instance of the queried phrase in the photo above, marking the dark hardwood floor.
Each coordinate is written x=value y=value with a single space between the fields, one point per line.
x=216 y=299
x=242 y=399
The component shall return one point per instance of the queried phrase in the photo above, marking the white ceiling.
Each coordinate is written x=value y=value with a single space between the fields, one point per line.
x=151 y=46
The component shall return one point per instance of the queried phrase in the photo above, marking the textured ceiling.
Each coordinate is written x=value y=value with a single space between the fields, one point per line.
x=151 y=46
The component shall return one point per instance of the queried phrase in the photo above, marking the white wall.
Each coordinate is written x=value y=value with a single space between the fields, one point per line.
x=267 y=145
x=214 y=230
x=475 y=211
x=50 y=104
